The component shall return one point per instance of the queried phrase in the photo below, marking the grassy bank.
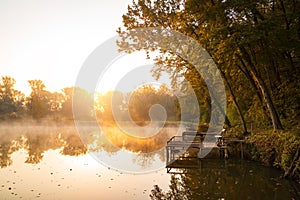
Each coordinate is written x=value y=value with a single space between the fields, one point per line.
x=279 y=149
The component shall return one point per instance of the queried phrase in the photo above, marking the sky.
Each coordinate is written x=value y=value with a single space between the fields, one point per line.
x=51 y=39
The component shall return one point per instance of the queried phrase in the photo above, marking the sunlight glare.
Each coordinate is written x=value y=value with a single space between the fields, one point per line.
x=127 y=65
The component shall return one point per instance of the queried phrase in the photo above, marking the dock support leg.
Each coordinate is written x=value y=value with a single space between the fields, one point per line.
x=199 y=153
x=242 y=151
x=167 y=152
x=225 y=152
x=221 y=152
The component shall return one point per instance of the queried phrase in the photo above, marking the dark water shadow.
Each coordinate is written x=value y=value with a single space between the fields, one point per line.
x=228 y=179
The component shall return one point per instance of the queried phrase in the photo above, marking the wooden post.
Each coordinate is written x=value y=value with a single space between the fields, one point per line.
x=221 y=151
x=226 y=152
x=167 y=149
x=242 y=152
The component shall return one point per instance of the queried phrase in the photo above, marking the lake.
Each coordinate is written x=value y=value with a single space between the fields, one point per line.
x=54 y=162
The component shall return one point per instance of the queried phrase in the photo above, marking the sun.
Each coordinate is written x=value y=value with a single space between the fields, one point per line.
x=128 y=73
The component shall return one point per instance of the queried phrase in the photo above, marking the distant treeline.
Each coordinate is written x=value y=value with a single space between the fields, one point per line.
x=108 y=107
x=40 y=103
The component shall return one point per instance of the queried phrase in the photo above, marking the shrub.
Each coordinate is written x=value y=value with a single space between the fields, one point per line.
x=280 y=149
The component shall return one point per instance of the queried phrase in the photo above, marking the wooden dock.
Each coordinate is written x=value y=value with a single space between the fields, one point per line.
x=186 y=151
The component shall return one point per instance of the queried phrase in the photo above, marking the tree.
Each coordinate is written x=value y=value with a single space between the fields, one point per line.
x=77 y=103
x=55 y=101
x=258 y=41
x=143 y=99
x=140 y=102
x=110 y=107
x=11 y=100
x=67 y=102
x=37 y=102
x=167 y=100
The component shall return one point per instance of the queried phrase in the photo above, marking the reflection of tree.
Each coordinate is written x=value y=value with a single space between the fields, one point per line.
x=221 y=179
x=73 y=145
x=36 y=146
x=36 y=140
x=101 y=143
x=8 y=146
x=144 y=159
x=177 y=191
x=5 y=153
x=121 y=139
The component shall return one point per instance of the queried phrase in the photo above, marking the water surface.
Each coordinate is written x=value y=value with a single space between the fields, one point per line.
x=52 y=162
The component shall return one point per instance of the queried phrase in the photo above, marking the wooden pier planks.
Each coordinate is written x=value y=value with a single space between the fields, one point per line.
x=178 y=147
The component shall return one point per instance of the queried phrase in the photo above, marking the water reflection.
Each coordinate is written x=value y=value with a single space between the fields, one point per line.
x=130 y=153
x=63 y=169
x=62 y=166
x=37 y=139
x=142 y=145
x=227 y=179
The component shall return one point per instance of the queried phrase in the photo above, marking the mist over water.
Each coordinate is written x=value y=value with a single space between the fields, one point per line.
x=50 y=161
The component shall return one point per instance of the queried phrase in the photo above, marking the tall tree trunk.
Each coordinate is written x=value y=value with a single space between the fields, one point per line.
x=227 y=121
x=273 y=113
x=254 y=85
x=264 y=91
x=235 y=102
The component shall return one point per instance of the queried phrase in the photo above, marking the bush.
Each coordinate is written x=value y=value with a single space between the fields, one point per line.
x=280 y=149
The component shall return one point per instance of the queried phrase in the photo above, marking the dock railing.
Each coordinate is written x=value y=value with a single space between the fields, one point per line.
x=179 y=148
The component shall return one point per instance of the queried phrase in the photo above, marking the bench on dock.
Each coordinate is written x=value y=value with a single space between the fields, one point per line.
x=178 y=149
